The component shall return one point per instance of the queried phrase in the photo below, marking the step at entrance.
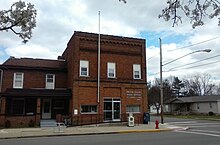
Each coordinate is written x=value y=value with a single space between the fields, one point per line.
x=48 y=123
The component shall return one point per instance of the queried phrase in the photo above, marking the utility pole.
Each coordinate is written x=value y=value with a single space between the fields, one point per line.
x=161 y=82
x=161 y=74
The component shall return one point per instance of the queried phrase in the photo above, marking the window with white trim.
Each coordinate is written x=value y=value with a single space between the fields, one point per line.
x=50 y=81
x=133 y=108
x=136 y=71
x=84 y=68
x=210 y=105
x=88 y=109
x=18 y=80
x=111 y=70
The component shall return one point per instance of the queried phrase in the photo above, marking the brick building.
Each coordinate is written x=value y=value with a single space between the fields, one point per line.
x=36 y=89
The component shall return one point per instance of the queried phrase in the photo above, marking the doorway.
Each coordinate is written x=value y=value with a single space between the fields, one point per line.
x=46 y=109
x=112 y=110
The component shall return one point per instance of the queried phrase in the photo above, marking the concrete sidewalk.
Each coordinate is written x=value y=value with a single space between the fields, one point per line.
x=82 y=130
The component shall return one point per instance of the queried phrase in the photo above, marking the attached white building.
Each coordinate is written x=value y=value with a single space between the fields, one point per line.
x=197 y=104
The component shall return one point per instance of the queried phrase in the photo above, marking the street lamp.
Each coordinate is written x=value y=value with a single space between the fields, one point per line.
x=161 y=70
x=204 y=50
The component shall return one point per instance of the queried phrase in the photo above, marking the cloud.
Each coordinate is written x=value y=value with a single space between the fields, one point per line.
x=57 y=21
x=33 y=51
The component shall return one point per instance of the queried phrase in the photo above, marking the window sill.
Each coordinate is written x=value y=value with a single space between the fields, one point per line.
x=133 y=112
x=137 y=79
x=17 y=87
x=84 y=76
x=111 y=78
x=89 y=113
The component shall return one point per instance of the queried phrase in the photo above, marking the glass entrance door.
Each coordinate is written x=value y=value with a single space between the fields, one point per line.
x=112 y=109
x=116 y=111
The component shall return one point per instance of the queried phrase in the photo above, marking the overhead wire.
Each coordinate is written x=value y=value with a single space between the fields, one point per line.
x=194 y=62
x=195 y=44
x=195 y=66
x=189 y=63
x=153 y=56
x=176 y=68
x=188 y=46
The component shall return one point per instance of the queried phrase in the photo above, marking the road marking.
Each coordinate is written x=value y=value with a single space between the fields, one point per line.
x=200 y=126
x=207 y=123
x=185 y=122
x=199 y=133
x=192 y=124
x=209 y=131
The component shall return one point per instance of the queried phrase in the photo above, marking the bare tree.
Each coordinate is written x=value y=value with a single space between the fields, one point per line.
x=195 y=10
x=154 y=95
x=217 y=89
x=154 y=92
x=124 y=1
x=20 y=19
x=200 y=84
x=207 y=84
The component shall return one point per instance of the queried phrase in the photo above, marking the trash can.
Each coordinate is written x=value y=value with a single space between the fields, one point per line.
x=131 y=120
x=146 y=118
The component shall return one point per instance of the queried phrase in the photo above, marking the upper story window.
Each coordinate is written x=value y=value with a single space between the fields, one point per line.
x=18 y=80
x=137 y=71
x=111 y=70
x=50 y=81
x=84 y=68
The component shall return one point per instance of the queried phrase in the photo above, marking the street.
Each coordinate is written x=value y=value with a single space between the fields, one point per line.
x=200 y=133
x=163 y=138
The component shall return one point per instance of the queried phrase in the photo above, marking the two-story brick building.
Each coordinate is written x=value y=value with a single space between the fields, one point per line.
x=37 y=89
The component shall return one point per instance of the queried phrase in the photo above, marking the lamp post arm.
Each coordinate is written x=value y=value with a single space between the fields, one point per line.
x=205 y=50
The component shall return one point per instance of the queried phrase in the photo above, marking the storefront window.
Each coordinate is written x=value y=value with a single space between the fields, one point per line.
x=133 y=109
x=88 y=108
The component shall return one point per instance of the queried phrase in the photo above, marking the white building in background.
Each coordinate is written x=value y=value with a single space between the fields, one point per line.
x=197 y=104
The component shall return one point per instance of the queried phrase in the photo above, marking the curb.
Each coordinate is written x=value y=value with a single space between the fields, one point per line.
x=94 y=133
x=141 y=131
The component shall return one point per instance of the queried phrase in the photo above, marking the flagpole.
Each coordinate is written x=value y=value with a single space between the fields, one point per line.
x=98 y=97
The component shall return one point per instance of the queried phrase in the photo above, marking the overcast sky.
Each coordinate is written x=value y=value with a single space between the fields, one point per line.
x=58 y=19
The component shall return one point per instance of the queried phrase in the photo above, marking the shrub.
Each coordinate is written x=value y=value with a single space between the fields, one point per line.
x=31 y=123
x=7 y=124
x=210 y=113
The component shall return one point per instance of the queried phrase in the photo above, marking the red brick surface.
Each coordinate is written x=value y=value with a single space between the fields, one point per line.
x=123 y=51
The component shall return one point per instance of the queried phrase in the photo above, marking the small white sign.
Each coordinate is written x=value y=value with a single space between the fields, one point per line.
x=75 y=111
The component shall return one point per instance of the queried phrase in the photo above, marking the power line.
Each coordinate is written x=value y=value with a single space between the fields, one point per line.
x=195 y=44
x=194 y=62
x=188 y=46
x=152 y=56
x=195 y=66
x=154 y=74
x=175 y=68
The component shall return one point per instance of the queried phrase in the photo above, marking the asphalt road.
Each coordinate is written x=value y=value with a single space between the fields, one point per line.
x=200 y=133
x=162 y=138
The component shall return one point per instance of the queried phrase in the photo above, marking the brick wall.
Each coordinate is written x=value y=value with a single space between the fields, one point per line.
x=20 y=121
x=124 y=52
x=33 y=78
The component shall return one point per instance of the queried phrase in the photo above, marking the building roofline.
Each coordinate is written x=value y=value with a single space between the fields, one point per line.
x=90 y=34
x=196 y=99
x=105 y=37
x=34 y=63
